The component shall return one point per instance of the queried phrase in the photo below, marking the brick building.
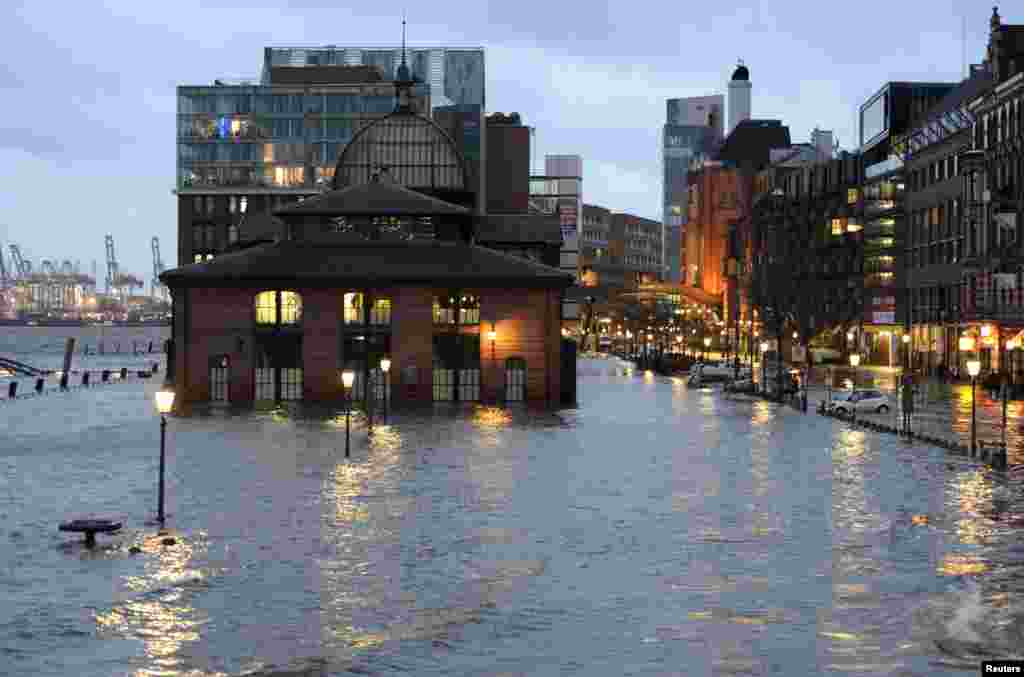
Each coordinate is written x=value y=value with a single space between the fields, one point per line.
x=384 y=265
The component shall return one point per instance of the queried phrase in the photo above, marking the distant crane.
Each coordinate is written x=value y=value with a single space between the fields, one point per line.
x=158 y=268
x=111 y=264
x=23 y=267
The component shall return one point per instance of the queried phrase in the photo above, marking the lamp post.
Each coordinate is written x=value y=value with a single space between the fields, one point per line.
x=707 y=344
x=492 y=336
x=974 y=368
x=164 y=403
x=854 y=362
x=906 y=351
x=764 y=367
x=347 y=378
x=385 y=366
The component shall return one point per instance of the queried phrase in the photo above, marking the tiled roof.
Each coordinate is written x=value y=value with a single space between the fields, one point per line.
x=372 y=199
x=367 y=262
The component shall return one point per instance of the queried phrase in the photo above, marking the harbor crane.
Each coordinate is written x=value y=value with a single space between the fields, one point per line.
x=158 y=268
x=111 y=264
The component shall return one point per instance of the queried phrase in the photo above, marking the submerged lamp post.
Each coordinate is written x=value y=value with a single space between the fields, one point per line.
x=164 y=403
x=764 y=367
x=707 y=344
x=347 y=378
x=974 y=368
x=385 y=366
x=854 y=362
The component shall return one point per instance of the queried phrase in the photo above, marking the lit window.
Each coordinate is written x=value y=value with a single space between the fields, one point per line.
x=198 y=258
x=291 y=307
x=851 y=196
x=278 y=307
x=209 y=257
x=232 y=234
x=243 y=202
x=232 y=204
x=837 y=226
x=352 y=311
x=266 y=307
x=380 y=312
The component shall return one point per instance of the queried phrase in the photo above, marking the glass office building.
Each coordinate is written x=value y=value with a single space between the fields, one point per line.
x=272 y=136
x=693 y=126
x=455 y=76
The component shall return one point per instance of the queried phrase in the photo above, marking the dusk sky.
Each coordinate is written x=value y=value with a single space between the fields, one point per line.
x=87 y=134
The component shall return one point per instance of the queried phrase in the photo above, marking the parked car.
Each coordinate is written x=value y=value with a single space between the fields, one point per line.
x=703 y=372
x=861 y=400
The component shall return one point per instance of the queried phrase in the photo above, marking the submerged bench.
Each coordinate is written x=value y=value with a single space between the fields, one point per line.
x=90 y=527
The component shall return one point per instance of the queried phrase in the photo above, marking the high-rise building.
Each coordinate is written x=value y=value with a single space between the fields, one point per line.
x=692 y=126
x=455 y=76
x=560 y=191
x=739 y=96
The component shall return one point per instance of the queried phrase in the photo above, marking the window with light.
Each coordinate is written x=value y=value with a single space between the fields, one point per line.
x=278 y=307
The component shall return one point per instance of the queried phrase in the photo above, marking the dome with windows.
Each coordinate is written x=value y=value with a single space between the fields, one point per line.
x=741 y=74
x=411 y=149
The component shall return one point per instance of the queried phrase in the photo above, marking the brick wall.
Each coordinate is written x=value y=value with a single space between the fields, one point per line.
x=527 y=323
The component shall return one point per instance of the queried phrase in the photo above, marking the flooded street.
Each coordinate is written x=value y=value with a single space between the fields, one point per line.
x=657 y=529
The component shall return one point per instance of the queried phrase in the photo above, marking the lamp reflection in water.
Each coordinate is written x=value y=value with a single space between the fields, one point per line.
x=974 y=368
x=348 y=377
x=164 y=404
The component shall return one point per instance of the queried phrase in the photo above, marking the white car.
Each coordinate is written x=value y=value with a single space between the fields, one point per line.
x=861 y=400
x=716 y=371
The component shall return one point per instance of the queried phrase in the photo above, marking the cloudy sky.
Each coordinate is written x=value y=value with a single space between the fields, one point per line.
x=87 y=128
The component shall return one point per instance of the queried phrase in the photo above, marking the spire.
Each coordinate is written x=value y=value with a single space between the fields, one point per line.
x=403 y=81
x=994 y=21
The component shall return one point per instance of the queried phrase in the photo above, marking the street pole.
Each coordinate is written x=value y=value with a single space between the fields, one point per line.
x=1004 y=389
x=974 y=416
x=348 y=409
x=160 y=488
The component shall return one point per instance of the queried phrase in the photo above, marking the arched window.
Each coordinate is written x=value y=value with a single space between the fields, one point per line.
x=278 y=307
x=232 y=233
x=515 y=379
x=456 y=308
x=352 y=310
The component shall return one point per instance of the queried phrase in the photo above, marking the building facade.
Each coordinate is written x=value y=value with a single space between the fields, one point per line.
x=884 y=118
x=935 y=238
x=245 y=150
x=992 y=307
x=381 y=265
x=693 y=127
x=454 y=76
x=636 y=242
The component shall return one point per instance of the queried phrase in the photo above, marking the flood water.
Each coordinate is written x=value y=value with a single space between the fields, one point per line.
x=655 y=530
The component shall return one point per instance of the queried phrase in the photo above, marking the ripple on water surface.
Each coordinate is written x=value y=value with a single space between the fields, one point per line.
x=653 y=527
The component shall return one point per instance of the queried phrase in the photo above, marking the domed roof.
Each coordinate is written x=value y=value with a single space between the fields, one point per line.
x=741 y=72
x=413 y=149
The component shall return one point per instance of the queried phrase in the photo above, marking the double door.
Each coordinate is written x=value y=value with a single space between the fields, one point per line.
x=456 y=368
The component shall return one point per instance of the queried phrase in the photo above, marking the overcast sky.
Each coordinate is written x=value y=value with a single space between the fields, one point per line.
x=87 y=129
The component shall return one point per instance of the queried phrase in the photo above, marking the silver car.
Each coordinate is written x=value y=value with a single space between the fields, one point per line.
x=861 y=400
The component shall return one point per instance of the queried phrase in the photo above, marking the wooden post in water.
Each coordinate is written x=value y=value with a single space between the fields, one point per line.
x=69 y=351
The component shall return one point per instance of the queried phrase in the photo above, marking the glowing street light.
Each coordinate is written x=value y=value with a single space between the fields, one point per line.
x=164 y=404
x=974 y=368
x=348 y=377
x=385 y=366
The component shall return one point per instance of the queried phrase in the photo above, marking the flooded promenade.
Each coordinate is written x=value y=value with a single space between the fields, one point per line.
x=657 y=529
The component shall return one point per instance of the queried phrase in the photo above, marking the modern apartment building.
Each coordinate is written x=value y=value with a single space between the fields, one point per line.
x=454 y=75
x=693 y=126
x=886 y=116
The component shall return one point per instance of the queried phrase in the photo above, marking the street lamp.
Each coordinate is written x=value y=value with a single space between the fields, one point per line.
x=707 y=344
x=385 y=366
x=974 y=368
x=854 y=362
x=764 y=367
x=164 y=403
x=347 y=378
